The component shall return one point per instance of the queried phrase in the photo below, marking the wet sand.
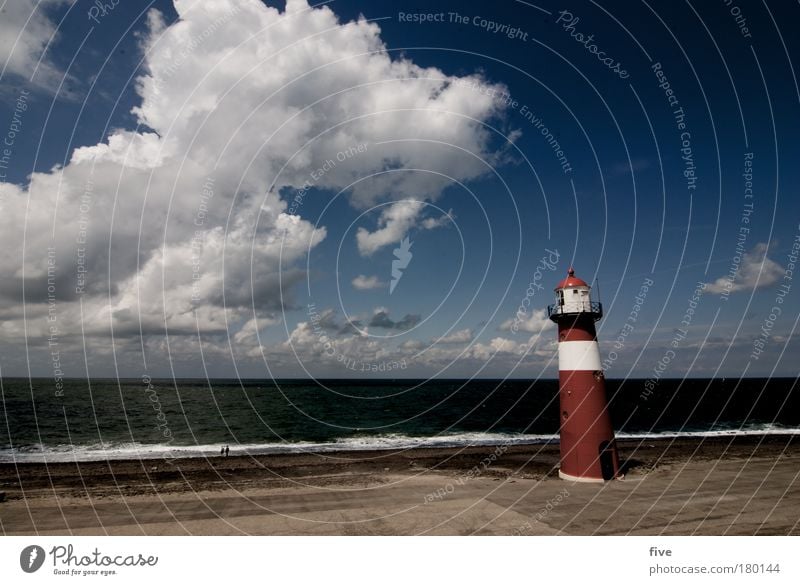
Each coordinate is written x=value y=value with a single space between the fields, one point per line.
x=721 y=485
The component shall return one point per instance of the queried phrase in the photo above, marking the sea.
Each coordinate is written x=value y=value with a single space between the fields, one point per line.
x=99 y=419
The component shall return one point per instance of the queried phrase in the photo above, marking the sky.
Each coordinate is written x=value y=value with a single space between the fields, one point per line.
x=383 y=189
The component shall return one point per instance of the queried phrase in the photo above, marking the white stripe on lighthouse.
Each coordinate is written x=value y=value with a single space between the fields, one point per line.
x=578 y=355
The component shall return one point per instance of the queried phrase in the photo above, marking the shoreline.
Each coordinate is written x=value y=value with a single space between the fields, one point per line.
x=360 y=444
x=362 y=488
x=538 y=460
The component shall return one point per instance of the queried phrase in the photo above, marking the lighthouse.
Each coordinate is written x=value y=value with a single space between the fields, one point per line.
x=588 y=449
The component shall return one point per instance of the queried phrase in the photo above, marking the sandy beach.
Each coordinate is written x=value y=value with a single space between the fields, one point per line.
x=738 y=486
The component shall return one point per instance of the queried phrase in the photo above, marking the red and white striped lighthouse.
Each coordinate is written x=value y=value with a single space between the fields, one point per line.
x=588 y=449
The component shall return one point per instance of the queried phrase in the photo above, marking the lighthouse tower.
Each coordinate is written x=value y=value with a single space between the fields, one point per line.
x=588 y=449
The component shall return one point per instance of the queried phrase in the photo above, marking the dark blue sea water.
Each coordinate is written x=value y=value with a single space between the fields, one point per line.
x=134 y=418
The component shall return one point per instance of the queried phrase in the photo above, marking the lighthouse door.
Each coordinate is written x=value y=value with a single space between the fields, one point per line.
x=606 y=460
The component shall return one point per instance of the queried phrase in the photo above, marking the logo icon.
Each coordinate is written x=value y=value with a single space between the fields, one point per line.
x=403 y=255
x=31 y=558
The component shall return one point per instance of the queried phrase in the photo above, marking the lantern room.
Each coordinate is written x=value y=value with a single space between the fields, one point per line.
x=573 y=296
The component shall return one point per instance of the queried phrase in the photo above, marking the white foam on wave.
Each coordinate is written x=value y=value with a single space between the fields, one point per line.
x=135 y=451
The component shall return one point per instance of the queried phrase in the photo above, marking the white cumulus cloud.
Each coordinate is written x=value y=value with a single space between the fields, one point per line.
x=430 y=223
x=463 y=336
x=394 y=223
x=755 y=270
x=534 y=321
x=362 y=282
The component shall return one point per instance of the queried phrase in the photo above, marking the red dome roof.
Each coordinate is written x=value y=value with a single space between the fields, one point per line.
x=571 y=280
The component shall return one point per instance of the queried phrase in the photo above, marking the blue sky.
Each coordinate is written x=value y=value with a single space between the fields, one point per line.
x=441 y=132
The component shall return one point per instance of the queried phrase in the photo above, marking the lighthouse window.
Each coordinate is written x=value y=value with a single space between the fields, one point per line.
x=574 y=292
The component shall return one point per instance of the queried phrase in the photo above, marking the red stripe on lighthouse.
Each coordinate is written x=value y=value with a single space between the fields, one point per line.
x=576 y=334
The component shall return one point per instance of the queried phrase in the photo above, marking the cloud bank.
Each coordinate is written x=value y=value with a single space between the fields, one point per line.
x=182 y=225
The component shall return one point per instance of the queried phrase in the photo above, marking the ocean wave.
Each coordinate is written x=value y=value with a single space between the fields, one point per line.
x=126 y=451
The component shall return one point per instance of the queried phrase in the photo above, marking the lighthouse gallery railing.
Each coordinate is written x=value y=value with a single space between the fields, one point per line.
x=596 y=308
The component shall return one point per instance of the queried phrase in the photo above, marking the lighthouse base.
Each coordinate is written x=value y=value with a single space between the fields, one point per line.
x=568 y=477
